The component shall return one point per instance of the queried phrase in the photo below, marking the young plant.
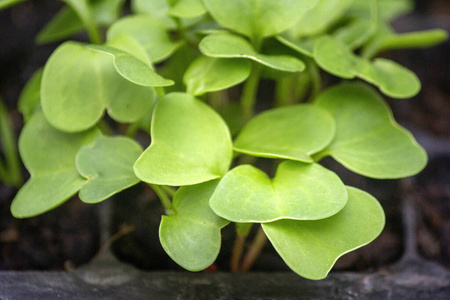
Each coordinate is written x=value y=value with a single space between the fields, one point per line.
x=187 y=72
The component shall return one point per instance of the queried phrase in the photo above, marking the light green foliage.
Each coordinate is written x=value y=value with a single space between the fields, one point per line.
x=191 y=235
x=294 y=132
x=298 y=191
x=132 y=68
x=356 y=33
x=258 y=18
x=419 y=39
x=387 y=9
x=156 y=9
x=7 y=3
x=392 y=79
x=320 y=17
x=49 y=156
x=227 y=45
x=310 y=248
x=187 y=9
x=148 y=32
x=78 y=84
x=207 y=74
x=67 y=23
x=190 y=143
x=368 y=141
x=30 y=98
x=107 y=164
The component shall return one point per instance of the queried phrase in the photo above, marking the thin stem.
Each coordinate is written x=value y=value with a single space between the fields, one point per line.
x=9 y=147
x=168 y=190
x=248 y=98
x=236 y=254
x=163 y=197
x=159 y=92
x=123 y=231
x=254 y=250
x=282 y=91
x=316 y=80
x=84 y=12
x=132 y=130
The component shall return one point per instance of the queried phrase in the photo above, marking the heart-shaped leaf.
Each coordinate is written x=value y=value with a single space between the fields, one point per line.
x=368 y=140
x=258 y=18
x=356 y=33
x=79 y=84
x=191 y=236
x=66 y=23
x=310 y=248
x=190 y=143
x=148 y=32
x=207 y=74
x=299 y=191
x=228 y=45
x=132 y=68
x=294 y=132
x=30 y=97
x=107 y=164
x=187 y=9
x=392 y=79
x=320 y=17
x=49 y=156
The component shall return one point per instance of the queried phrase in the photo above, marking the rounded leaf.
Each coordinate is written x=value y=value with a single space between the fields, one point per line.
x=310 y=248
x=258 y=18
x=368 y=140
x=298 y=191
x=107 y=164
x=79 y=84
x=191 y=236
x=294 y=132
x=190 y=143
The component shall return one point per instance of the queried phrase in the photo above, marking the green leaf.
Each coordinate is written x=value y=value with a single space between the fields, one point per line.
x=299 y=191
x=418 y=39
x=356 y=33
x=387 y=9
x=310 y=248
x=258 y=18
x=132 y=68
x=228 y=45
x=207 y=74
x=320 y=17
x=107 y=165
x=49 y=156
x=294 y=132
x=304 y=47
x=30 y=99
x=392 y=79
x=190 y=143
x=191 y=236
x=187 y=9
x=156 y=9
x=148 y=32
x=7 y=3
x=79 y=84
x=368 y=140
x=66 y=23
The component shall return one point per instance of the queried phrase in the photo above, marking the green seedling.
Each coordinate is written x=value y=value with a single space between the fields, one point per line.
x=188 y=72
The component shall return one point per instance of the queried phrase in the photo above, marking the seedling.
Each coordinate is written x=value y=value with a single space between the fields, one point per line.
x=187 y=72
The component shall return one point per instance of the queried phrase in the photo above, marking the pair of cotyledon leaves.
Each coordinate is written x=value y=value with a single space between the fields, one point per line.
x=61 y=164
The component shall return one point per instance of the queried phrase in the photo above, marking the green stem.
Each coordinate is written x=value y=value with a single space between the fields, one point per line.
x=12 y=171
x=282 y=91
x=170 y=191
x=160 y=92
x=316 y=79
x=132 y=130
x=248 y=98
x=83 y=10
x=242 y=231
x=163 y=197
